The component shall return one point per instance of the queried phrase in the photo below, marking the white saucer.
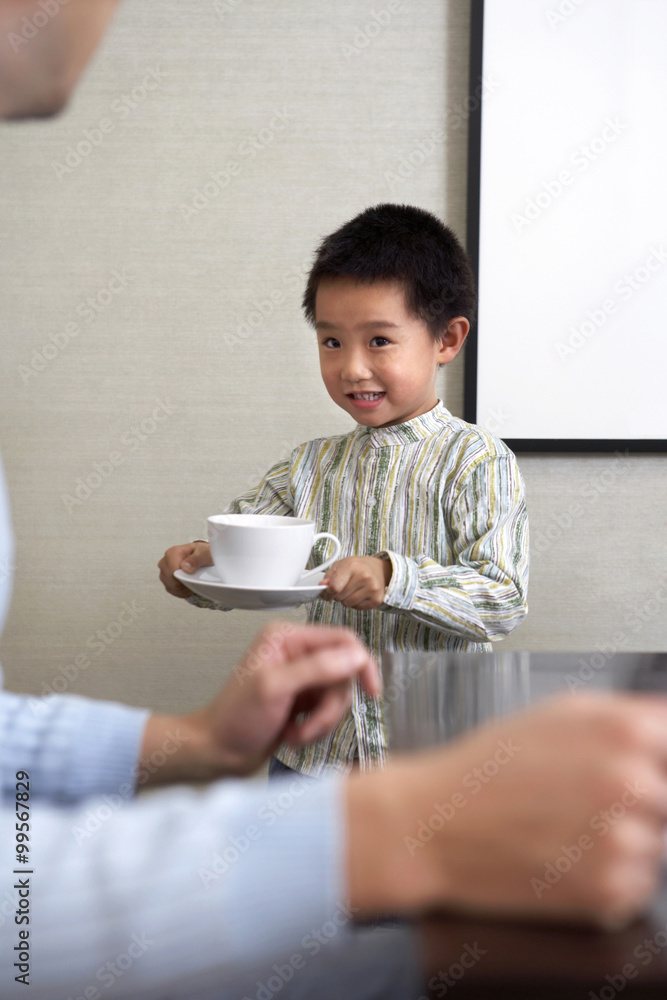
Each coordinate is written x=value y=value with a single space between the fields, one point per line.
x=205 y=583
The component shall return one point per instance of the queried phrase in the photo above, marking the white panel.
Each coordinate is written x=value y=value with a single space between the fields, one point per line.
x=573 y=233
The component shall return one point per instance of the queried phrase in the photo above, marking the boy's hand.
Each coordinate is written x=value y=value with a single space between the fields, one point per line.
x=188 y=557
x=358 y=582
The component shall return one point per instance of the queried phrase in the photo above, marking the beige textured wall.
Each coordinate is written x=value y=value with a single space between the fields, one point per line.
x=304 y=114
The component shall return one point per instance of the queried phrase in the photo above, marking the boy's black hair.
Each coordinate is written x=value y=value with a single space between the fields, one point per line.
x=406 y=244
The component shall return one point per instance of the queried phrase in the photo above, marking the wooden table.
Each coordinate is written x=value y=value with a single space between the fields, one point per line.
x=529 y=962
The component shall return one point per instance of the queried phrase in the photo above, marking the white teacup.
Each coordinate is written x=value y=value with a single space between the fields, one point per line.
x=264 y=550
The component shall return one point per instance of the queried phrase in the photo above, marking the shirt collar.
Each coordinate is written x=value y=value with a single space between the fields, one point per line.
x=417 y=429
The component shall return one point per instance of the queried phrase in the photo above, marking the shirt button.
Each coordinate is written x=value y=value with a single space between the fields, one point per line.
x=371 y=502
x=362 y=709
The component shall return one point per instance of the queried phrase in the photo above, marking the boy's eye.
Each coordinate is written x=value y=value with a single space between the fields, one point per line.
x=331 y=342
x=379 y=341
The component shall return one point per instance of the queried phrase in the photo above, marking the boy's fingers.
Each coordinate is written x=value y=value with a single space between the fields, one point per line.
x=167 y=565
x=354 y=587
x=344 y=590
x=186 y=557
x=337 y=578
x=365 y=596
x=198 y=556
x=174 y=556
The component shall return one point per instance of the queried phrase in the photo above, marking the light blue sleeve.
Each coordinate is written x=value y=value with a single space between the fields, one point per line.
x=72 y=747
x=176 y=894
x=191 y=889
x=180 y=894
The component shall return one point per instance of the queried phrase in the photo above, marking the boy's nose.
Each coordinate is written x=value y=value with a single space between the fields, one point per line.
x=355 y=367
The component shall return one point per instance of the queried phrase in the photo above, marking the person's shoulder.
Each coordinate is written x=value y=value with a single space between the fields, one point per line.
x=472 y=444
x=305 y=451
x=317 y=447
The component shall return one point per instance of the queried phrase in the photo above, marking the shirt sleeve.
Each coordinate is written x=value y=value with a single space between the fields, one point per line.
x=70 y=746
x=481 y=595
x=179 y=893
x=272 y=495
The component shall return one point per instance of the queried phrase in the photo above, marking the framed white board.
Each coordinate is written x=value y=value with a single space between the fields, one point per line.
x=567 y=223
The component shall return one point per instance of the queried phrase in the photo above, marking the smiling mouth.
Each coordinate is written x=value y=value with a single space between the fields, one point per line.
x=369 y=396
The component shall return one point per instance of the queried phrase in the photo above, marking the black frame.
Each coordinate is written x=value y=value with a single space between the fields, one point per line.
x=633 y=445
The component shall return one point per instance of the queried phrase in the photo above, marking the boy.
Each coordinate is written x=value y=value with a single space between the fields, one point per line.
x=429 y=509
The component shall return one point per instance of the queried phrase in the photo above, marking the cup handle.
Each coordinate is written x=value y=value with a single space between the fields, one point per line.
x=327 y=562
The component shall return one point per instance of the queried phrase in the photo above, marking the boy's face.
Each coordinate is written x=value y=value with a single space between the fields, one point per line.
x=378 y=361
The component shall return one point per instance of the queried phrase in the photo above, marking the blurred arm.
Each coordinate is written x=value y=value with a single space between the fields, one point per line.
x=44 y=48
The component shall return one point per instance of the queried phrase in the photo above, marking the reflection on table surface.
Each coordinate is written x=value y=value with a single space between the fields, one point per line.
x=516 y=960
x=373 y=963
x=474 y=959
x=430 y=698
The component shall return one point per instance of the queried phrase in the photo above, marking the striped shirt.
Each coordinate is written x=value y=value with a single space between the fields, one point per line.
x=445 y=501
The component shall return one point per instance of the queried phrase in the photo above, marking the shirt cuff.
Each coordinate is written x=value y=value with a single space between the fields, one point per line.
x=203 y=602
x=402 y=587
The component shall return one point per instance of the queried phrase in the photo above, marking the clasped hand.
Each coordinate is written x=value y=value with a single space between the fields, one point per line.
x=358 y=582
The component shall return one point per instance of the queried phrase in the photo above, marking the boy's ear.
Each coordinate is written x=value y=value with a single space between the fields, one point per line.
x=452 y=338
